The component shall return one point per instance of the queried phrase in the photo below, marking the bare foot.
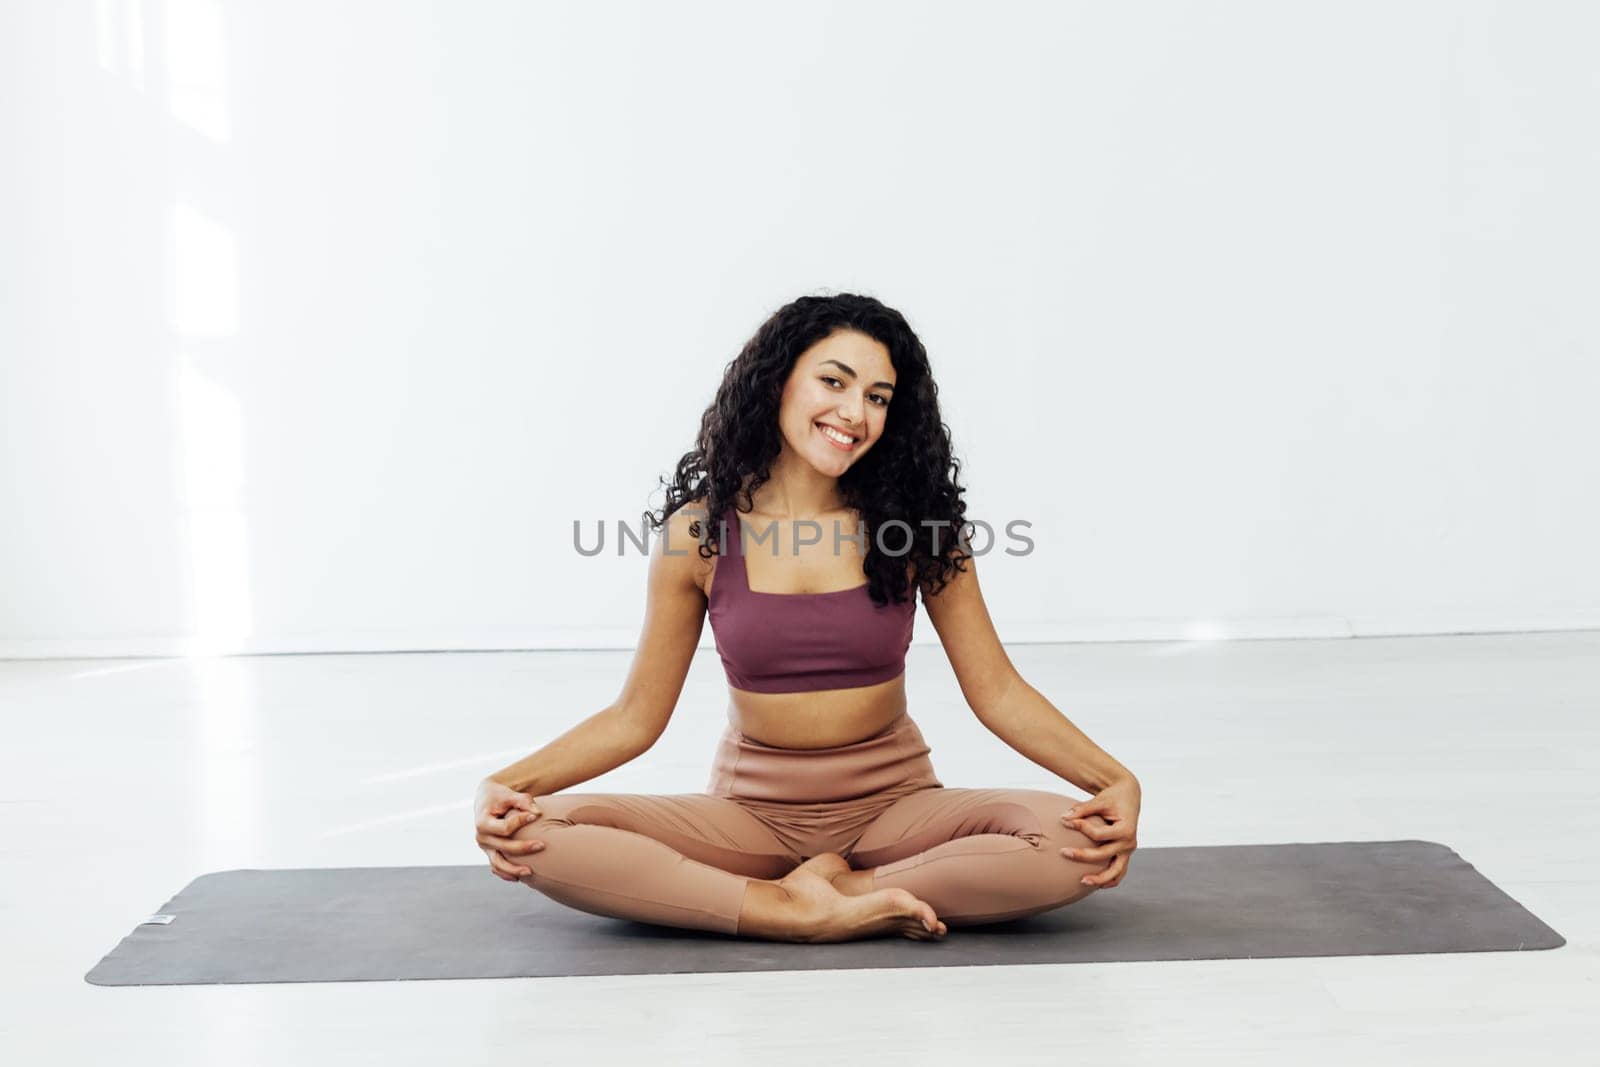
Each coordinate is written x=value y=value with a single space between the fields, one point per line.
x=852 y=883
x=823 y=913
x=834 y=868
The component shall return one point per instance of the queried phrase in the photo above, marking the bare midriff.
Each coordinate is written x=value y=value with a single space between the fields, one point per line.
x=819 y=719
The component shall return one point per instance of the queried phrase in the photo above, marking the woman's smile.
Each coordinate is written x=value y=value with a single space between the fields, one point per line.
x=837 y=438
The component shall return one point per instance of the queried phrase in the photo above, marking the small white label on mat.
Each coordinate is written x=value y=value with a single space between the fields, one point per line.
x=159 y=920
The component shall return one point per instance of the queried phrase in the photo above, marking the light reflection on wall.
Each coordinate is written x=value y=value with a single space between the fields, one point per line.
x=1197 y=634
x=204 y=312
x=205 y=279
x=219 y=557
x=205 y=291
x=196 y=93
x=119 y=33
x=1205 y=630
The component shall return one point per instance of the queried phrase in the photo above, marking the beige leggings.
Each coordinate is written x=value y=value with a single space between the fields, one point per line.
x=974 y=855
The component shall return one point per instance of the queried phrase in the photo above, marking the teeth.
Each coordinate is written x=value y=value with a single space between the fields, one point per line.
x=837 y=436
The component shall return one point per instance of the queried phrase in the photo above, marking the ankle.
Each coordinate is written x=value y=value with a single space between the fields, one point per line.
x=856 y=883
x=769 y=911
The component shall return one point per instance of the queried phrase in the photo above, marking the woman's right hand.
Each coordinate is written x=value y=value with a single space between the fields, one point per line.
x=495 y=827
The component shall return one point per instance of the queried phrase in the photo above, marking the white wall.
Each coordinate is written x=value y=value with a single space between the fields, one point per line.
x=320 y=323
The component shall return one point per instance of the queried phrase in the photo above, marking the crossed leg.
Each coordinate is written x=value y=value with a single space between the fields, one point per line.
x=977 y=855
x=701 y=862
x=677 y=860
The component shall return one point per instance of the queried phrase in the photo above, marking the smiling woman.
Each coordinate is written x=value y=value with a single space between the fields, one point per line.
x=823 y=819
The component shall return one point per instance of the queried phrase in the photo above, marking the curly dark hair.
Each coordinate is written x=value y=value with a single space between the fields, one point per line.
x=910 y=474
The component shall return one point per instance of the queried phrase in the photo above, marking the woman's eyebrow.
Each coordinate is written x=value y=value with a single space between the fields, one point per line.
x=851 y=371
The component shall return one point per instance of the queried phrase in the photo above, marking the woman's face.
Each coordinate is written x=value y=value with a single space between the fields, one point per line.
x=844 y=383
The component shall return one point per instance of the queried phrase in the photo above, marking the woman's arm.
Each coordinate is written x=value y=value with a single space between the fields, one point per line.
x=675 y=610
x=1012 y=709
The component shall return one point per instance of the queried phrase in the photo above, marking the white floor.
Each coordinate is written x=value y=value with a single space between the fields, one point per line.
x=120 y=781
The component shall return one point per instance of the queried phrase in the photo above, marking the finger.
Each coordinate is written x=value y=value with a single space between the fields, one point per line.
x=498 y=868
x=491 y=824
x=510 y=824
x=503 y=803
x=1093 y=855
x=505 y=868
x=1097 y=828
x=509 y=845
x=500 y=805
x=1084 y=807
x=522 y=869
x=1112 y=873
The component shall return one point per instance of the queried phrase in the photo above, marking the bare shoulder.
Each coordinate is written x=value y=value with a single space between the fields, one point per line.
x=958 y=588
x=677 y=550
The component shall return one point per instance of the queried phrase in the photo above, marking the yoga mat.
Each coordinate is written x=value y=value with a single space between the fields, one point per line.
x=1231 y=902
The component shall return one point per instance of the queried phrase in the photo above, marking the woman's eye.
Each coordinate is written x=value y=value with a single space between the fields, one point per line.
x=882 y=400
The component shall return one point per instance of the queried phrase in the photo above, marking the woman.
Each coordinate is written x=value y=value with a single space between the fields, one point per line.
x=823 y=819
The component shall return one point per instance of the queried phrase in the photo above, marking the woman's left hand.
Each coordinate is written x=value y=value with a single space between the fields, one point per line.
x=1118 y=808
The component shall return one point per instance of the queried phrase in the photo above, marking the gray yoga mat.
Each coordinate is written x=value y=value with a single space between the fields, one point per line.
x=347 y=924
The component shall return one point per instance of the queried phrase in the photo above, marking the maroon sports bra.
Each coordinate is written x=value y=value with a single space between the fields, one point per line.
x=801 y=642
